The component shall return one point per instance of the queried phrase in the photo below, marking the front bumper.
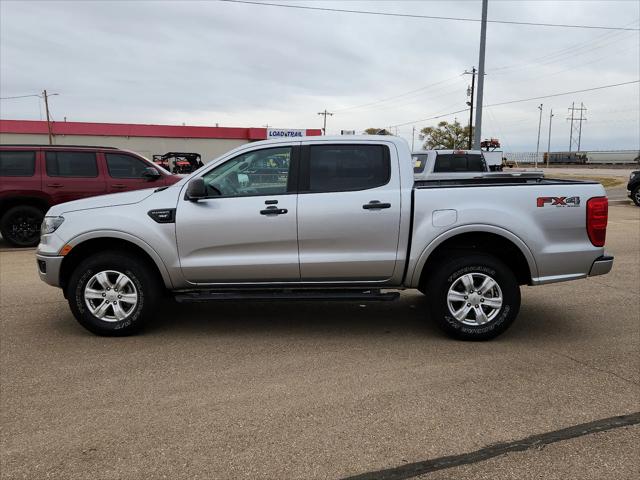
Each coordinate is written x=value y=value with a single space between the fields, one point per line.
x=49 y=268
x=601 y=266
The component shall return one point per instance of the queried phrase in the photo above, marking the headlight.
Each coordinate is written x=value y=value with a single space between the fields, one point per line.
x=634 y=174
x=50 y=225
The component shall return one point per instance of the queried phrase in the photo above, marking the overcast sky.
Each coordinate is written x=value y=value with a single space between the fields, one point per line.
x=239 y=65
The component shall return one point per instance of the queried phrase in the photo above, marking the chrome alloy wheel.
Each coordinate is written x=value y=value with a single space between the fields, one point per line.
x=110 y=296
x=474 y=299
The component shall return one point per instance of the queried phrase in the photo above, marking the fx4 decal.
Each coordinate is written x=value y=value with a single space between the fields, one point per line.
x=558 y=201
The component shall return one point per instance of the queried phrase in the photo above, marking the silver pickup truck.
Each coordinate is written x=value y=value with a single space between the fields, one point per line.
x=331 y=218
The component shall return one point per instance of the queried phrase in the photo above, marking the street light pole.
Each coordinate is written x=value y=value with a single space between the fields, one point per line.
x=538 y=144
x=549 y=141
x=46 y=106
x=413 y=137
x=483 y=41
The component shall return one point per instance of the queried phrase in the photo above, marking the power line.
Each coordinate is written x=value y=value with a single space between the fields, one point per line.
x=430 y=17
x=375 y=102
x=564 y=93
x=519 y=101
x=569 y=51
x=21 y=96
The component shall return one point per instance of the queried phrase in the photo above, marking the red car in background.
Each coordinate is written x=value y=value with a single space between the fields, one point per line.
x=35 y=177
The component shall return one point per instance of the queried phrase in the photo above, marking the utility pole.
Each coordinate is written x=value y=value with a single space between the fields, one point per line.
x=573 y=134
x=549 y=141
x=325 y=113
x=580 y=123
x=46 y=106
x=413 y=137
x=538 y=144
x=483 y=41
x=470 y=103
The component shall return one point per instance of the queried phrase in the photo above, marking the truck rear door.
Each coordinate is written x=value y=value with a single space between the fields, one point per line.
x=348 y=212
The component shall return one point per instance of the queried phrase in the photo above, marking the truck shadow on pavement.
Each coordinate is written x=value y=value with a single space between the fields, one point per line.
x=407 y=316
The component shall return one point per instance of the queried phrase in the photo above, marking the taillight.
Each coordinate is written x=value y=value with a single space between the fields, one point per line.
x=597 y=214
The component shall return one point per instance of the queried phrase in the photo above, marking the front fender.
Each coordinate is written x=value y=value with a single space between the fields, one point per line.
x=102 y=234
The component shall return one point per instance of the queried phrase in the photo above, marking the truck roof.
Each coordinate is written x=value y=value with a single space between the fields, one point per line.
x=417 y=152
x=334 y=139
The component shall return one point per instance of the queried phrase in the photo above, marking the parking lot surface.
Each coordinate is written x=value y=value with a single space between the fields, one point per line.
x=315 y=390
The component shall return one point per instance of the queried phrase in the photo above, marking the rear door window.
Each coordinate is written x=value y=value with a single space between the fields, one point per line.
x=124 y=166
x=339 y=168
x=71 y=164
x=17 y=164
x=459 y=162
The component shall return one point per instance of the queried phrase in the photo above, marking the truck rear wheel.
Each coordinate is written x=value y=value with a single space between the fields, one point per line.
x=473 y=297
x=113 y=293
x=20 y=226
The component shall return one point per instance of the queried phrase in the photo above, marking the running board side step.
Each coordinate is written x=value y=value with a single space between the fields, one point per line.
x=270 y=295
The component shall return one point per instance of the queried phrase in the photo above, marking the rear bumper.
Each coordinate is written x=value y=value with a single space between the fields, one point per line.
x=49 y=268
x=601 y=266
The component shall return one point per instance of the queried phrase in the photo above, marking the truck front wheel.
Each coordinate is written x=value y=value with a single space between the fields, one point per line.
x=113 y=293
x=473 y=297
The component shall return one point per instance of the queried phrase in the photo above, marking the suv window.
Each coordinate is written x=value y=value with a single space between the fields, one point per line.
x=261 y=172
x=124 y=166
x=71 y=164
x=17 y=164
x=336 y=168
x=459 y=162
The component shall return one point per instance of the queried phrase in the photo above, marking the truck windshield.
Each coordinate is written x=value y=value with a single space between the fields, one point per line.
x=459 y=162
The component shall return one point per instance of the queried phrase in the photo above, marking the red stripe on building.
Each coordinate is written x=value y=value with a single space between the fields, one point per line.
x=39 y=127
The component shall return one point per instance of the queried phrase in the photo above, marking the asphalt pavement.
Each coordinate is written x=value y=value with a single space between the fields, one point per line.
x=316 y=390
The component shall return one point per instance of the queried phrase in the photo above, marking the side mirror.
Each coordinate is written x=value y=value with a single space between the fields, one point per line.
x=196 y=190
x=151 y=173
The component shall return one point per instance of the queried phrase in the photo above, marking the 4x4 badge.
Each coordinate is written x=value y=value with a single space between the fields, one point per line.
x=558 y=201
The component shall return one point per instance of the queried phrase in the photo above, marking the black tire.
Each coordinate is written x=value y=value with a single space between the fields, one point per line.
x=143 y=282
x=20 y=225
x=635 y=196
x=449 y=273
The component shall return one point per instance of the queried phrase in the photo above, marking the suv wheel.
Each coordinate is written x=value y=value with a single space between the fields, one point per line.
x=113 y=293
x=20 y=226
x=475 y=297
x=635 y=195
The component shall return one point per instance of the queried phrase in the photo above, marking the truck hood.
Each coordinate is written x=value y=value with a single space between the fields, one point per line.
x=101 y=201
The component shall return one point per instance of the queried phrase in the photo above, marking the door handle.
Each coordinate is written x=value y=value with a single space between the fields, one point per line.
x=118 y=185
x=273 y=210
x=55 y=185
x=375 y=205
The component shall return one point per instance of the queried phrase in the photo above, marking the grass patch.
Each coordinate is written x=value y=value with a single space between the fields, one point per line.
x=607 y=182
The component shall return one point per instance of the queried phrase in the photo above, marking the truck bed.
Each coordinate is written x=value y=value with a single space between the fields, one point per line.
x=547 y=221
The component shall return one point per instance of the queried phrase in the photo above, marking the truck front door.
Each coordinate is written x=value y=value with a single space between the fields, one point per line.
x=245 y=230
x=348 y=212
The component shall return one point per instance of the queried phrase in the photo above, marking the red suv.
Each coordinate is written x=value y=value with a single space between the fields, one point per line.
x=35 y=177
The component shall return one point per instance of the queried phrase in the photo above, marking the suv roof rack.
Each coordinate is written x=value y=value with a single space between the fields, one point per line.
x=40 y=145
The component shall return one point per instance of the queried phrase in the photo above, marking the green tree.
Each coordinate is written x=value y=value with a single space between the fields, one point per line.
x=446 y=136
x=376 y=131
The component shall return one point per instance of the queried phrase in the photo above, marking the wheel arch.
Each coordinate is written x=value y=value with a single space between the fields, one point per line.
x=32 y=201
x=86 y=244
x=480 y=238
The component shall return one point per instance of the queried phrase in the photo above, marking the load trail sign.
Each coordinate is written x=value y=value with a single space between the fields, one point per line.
x=284 y=132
